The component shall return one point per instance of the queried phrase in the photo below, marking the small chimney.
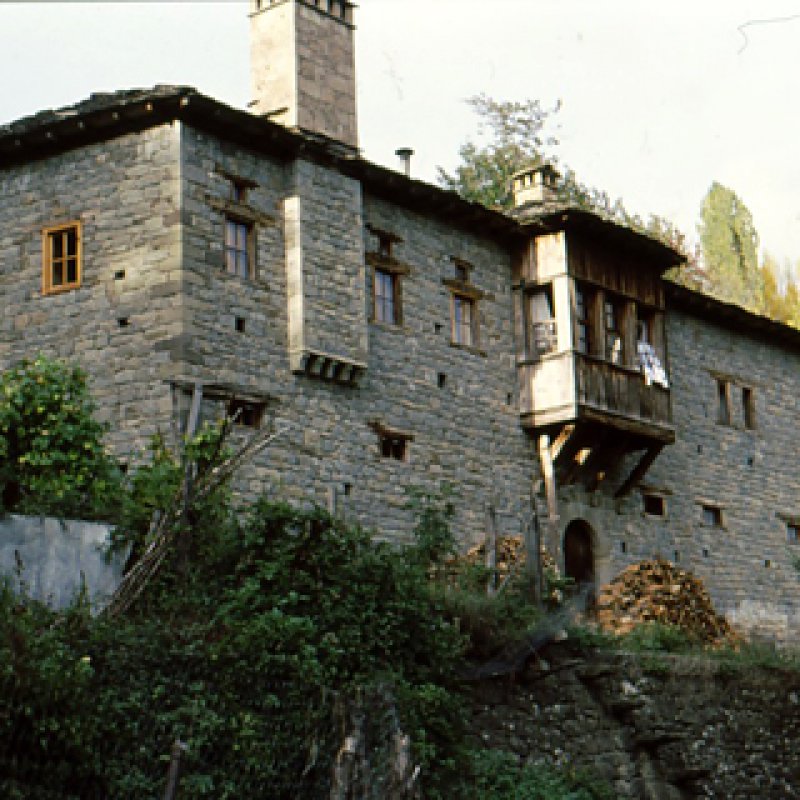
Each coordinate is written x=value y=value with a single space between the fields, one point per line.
x=536 y=185
x=404 y=154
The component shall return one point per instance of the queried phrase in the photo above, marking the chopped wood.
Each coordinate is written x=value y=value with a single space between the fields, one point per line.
x=658 y=591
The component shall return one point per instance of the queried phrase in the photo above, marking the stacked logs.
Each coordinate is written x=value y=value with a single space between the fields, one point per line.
x=658 y=591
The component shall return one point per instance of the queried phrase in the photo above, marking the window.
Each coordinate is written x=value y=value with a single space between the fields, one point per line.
x=246 y=413
x=582 y=340
x=386 y=305
x=748 y=407
x=238 y=247
x=723 y=402
x=464 y=321
x=793 y=532
x=393 y=446
x=61 y=263
x=611 y=317
x=543 y=331
x=238 y=191
x=655 y=505
x=712 y=516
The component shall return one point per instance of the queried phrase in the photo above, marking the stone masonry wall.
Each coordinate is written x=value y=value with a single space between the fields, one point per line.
x=751 y=474
x=651 y=726
x=466 y=433
x=125 y=193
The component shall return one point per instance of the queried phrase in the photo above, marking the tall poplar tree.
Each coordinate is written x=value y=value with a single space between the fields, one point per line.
x=729 y=244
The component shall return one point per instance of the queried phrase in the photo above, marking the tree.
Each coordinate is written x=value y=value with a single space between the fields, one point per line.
x=52 y=458
x=729 y=243
x=518 y=137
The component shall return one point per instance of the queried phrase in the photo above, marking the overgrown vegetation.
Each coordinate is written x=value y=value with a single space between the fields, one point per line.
x=265 y=640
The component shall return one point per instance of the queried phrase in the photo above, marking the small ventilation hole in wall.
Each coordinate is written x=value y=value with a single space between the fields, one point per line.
x=441 y=380
x=437 y=327
x=677 y=555
x=705 y=552
x=123 y=322
x=750 y=461
x=623 y=547
x=119 y=275
x=240 y=324
x=509 y=399
x=767 y=563
x=699 y=448
x=348 y=487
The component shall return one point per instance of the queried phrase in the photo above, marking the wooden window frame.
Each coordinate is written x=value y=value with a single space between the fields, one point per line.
x=712 y=515
x=724 y=411
x=649 y=498
x=462 y=291
x=383 y=260
x=250 y=245
x=48 y=236
x=379 y=299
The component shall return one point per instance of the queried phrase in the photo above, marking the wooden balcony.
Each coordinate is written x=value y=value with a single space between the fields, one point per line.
x=570 y=387
x=620 y=397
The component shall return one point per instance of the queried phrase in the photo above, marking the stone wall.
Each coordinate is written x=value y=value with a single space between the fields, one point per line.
x=466 y=430
x=750 y=474
x=125 y=192
x=653 y=727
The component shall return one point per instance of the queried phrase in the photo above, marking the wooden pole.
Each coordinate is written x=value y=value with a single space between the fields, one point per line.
x=174 y=774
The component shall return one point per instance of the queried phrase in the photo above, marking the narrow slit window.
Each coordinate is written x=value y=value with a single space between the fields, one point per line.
x=748 y=407
x=723 y=402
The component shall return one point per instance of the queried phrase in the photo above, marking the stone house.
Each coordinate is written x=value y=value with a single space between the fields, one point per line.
x=538 y=361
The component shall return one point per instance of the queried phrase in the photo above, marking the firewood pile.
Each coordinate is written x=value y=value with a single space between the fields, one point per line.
x=658 y=591
x=510 y=555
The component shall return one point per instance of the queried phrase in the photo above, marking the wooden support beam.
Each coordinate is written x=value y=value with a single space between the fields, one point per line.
x=640 y=469
x=612 y=452
x=548 y=473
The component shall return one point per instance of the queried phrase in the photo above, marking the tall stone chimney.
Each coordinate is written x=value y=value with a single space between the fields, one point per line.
x=302 y=65
x=536 y=185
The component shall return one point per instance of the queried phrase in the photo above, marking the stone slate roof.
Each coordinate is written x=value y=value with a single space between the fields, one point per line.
x=103 y=116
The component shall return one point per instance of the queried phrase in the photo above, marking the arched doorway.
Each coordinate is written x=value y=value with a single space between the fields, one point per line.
x=578 y=552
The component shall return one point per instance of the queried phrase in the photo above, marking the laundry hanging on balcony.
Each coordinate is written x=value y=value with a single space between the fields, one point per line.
x=651 y=366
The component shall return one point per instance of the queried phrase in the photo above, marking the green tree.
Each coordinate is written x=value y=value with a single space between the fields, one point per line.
x=517 y=136
x=52 y=458
x=729 y=243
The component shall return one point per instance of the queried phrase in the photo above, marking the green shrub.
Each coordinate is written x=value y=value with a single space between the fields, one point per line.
x=52 y=458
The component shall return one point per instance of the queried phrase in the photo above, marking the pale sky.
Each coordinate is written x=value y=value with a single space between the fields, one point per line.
x=659 y=99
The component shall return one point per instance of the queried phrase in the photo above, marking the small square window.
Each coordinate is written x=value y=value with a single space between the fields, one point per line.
x=712 y=516
x=238 y=191
x=655 y=505
x=793 y=532
x=239 y=247
x=393 y=446
x=245 y=413
x=61 y=263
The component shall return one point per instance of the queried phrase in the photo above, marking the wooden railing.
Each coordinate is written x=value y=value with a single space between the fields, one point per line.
x=622 y=390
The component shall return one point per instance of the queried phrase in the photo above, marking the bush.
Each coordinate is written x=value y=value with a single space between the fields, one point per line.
x=52 y=458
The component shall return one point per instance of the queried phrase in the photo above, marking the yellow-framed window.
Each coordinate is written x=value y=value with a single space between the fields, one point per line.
x=61 y=257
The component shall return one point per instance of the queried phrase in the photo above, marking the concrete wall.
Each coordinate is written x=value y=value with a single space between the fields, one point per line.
x=53 y=560
x=125 y=193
